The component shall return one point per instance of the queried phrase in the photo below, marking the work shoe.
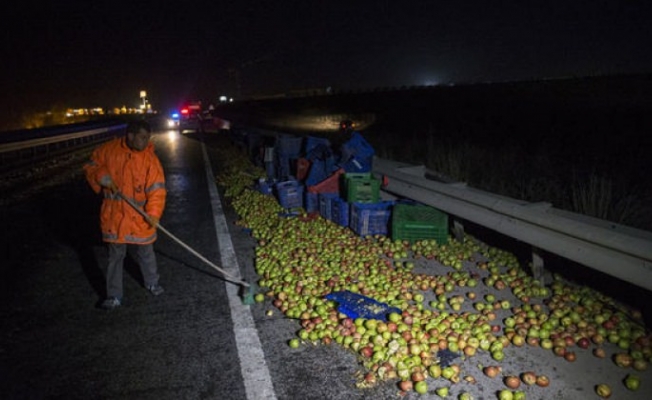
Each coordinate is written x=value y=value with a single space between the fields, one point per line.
x=110 y=303
x=155 y=289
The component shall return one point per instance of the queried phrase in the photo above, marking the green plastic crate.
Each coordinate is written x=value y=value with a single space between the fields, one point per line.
x=357 y=175
x=361 y=188
x=417 y=222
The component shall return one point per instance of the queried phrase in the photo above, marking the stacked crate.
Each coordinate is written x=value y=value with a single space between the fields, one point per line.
x=288 y=150
x=367 y=219
x=330 y=185
x=361 y=188
x=290 y=194
x=413 y=222
x=326 y=204
x=357 y=154
x=340 y=211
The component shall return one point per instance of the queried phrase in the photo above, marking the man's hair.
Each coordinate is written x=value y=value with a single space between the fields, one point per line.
x=136 y=126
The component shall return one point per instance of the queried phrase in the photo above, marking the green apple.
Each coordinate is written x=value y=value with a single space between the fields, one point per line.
x=421 y=387
x=506 y=394
x=632 y=382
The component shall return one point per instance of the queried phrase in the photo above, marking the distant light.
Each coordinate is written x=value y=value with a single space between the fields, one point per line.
x=223 y=99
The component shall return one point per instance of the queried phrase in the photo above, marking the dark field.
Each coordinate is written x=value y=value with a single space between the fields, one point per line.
x=581 y=144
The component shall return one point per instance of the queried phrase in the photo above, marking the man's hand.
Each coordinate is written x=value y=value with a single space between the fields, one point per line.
x=153 y=221
x=113 y=187
x=108 y=183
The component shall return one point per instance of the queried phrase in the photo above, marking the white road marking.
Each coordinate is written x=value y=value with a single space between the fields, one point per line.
x=257 y=380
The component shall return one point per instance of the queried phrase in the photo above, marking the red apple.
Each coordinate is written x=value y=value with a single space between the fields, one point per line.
x=570 y=356
x=405 y=386
x=512 y=382
x=583 y=343
x=542 y=381
x=491 y=371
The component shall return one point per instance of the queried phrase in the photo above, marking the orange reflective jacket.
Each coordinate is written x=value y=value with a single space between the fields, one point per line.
x=139 y=176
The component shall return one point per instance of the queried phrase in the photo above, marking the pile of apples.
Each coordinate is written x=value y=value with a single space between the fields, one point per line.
x=450 y=296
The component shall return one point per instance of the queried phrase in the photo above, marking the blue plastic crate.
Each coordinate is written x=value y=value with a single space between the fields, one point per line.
x=264 y=187
x=358 y=164
x=370 y=218
x=313 y=143
x=289 y=146
x=340 y=211
x=290 y=194
x=286 y=184
x=355 y=305
x=357 y=146
x=317 y=172
x=311 y=201
x=325 y=207
x=284 y=168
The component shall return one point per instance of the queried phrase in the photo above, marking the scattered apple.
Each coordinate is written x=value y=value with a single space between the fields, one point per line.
x=505 y=394
x=406 y=385
x=529 y=378
x=640 y=365
x=599 y=352
x=421 y=387
x=512 y=382
x=603 y=390
x=623 y=360
x=632 y=382
x=570 y=356
x=542 y=381
x=583 y=343
x=442 y=391
x=491 y=371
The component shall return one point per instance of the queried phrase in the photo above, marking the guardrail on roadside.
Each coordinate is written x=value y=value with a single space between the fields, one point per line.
x=617 y=250
x=31 y=149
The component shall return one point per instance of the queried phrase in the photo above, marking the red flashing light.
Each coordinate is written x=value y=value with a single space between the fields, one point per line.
x=184 y=111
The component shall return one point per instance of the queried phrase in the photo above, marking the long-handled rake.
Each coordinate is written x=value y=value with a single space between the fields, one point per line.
x=248 y=290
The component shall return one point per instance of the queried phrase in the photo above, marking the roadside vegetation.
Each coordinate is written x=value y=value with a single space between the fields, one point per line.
x=591 y=185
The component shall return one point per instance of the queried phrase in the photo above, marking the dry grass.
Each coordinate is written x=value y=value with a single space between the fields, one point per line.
x=536 y=178
x=597 y=197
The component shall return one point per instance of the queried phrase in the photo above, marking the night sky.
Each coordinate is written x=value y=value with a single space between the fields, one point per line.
x=102 y=53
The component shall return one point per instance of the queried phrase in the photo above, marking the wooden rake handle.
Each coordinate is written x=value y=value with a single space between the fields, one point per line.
x=180 y=242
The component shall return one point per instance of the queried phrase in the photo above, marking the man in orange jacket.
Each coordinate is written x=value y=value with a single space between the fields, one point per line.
x=127 y=166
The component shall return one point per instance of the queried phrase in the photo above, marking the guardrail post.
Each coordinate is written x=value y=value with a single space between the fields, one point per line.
x=538 y=268
x=458 y=231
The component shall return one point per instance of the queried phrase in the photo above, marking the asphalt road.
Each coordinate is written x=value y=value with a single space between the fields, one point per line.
x=55 y=342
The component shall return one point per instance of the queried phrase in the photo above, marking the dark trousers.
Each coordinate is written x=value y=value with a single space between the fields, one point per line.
x=144 y=257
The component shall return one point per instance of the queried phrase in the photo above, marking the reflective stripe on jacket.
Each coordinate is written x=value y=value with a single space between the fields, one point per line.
x=139 y=176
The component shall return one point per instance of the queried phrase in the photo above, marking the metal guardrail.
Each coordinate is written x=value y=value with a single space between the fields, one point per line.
x=31 y=149
x=617 y=250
